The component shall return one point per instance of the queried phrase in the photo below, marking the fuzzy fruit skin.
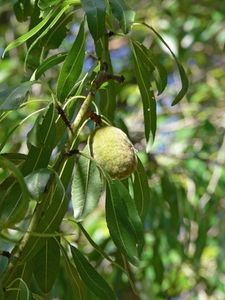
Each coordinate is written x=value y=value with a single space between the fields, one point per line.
x=113 y=152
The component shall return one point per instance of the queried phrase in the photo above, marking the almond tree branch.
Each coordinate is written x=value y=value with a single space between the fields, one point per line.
x=102 y=77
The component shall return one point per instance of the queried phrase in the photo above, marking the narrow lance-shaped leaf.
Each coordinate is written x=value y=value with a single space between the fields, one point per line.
x=57 y=205
x=16 y=158
x=29 y=34
x=36 y=297
x=108 y=95
x=13 y=210
x=22 y=10
x=154 y=65
x=77 y=285
x=42 y=143
x=18 y=290
x=161 y=73
x=148 y=99
x=123 y=221
x=48 y=29
x=91 y=278
x=39 y=137
x=37 y=181
x=95 y=11
x=123 y=14
x=72 y=66
x=44 y=4
x=49 y=63
x=55 y=209
x=17 y=125
x=46 y=270
x=87 y=186
x=12 y=98
x=56 y=35
x=141 y=190
x=183 y=76
x=38 y=157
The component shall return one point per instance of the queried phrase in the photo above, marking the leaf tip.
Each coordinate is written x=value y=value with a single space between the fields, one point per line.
x=4 y=52
x=174 y=103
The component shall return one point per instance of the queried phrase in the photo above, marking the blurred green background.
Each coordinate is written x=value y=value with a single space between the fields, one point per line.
x=184 y=253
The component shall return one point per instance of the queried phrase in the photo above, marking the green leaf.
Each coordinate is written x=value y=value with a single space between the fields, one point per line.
x=161 y=73
x=107 y=96
x=23 y=38
x=11 y=200
x=76 y=283
x=16 y=158
x=108 y=100
x=43 y=132
x=87 y=186
x=123 y=14
x=14 y=201
x=22 y=10
x=148 y=99
x=56 y=202
x=57 y=205
x=141 y=190
x=37 y=297
x=43 y=4
x=72 y=66
x=95 y=11
x=18 y=290
x=123 y=221
x=46 y=264
x=98 y=249
x=54 y=211
x=50 y=28
x=150 y=60
x=183 y=76
x=58 y=32
x=37 y=181
x=90 y=277
x=37 y=158
x=18 y=287
x=184 y=83
x=12 y=98
x=49 y=63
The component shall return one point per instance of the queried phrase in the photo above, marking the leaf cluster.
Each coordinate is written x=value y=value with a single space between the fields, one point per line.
x=56 y=182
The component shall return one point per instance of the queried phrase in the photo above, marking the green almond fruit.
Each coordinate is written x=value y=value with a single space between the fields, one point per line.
x=113 y=152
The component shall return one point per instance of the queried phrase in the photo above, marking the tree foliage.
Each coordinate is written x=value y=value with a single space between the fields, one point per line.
x=67 y=230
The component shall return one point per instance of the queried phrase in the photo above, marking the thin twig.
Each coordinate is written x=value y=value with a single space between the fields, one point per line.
x=64 y=117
